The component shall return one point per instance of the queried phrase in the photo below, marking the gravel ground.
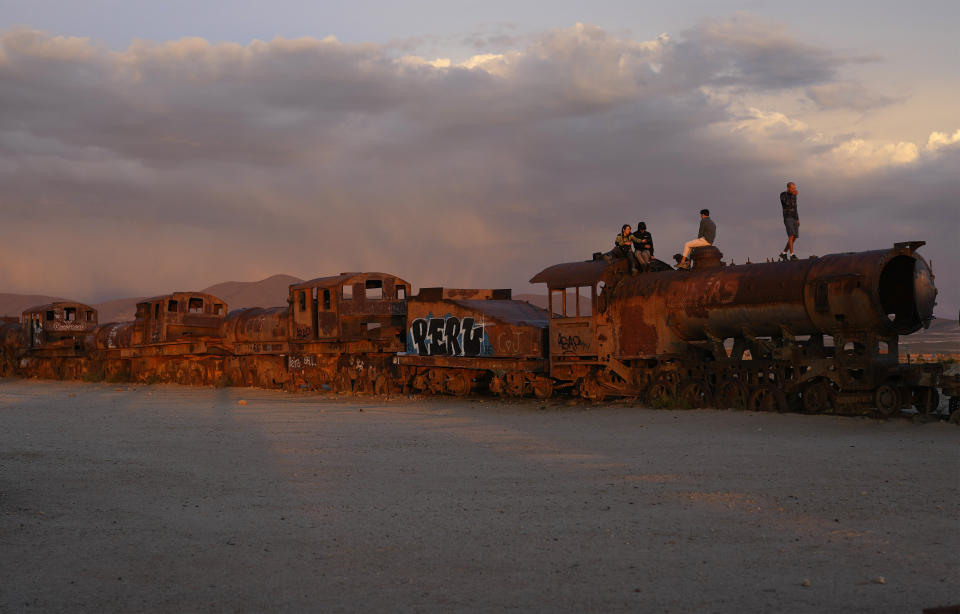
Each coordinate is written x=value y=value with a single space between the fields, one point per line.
x=180 y=499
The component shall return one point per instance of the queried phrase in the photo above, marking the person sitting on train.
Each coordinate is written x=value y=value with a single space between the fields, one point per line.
x=705 y=237
x=643 y=244
x=623 y=248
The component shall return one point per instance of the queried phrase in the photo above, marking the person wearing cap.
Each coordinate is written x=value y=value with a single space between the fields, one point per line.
x=706 y=236
x=643 y=244
x=791 y=220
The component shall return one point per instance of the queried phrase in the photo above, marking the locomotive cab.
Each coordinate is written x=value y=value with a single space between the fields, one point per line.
x=579 y=338
x=57 y=322
x=176 y=316
x=350 y=307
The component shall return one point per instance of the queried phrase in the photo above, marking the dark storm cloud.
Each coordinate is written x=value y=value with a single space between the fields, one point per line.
x=750 y=53
x=187 y=163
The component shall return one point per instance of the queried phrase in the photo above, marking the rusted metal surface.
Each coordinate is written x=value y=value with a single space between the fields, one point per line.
x=830 y=295
x=111 y=336
x=256 y=325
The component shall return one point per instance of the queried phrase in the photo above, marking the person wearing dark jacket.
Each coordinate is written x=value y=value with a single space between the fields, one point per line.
x=643 y=244
x=706 y=236
x=791 y=219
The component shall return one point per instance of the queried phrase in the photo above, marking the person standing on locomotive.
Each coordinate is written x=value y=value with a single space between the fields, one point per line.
x=791 y=219
x=643 y=244
x=623 y=248
x=705 y=237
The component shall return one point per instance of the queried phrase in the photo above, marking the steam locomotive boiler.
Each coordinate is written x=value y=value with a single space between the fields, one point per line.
x=819 y=334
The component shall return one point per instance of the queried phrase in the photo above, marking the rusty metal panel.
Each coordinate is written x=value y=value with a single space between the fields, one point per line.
x=373 y=308
x=572 y=337
x=11 y=335
x=111 y=336
x=256 y=325
x=637 y=334
x=484 y=363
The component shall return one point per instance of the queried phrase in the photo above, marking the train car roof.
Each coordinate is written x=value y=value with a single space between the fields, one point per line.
x=163 y=297
x=336 y=280
x=508 y=311
x=56 y=304
x=572 y=274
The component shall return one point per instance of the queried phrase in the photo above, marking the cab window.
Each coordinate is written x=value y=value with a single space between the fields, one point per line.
x=374 y=288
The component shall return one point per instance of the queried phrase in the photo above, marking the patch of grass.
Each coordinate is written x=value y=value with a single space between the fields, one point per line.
x=151 y=380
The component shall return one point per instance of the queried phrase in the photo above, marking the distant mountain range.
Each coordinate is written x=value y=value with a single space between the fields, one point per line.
x=269 y=292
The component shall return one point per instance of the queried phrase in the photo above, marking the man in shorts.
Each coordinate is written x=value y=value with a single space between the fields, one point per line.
x=791 y=220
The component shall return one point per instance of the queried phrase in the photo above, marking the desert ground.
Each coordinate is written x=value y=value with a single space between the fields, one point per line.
x=180 y=499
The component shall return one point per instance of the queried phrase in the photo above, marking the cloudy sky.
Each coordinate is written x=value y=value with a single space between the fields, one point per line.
x=150 y=147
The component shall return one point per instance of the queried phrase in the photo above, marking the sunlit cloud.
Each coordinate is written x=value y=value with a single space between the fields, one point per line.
x=188 y=162
x=942 y=140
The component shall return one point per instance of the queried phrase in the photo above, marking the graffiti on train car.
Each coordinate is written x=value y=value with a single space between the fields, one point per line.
x=301 y=362
x=448 y=336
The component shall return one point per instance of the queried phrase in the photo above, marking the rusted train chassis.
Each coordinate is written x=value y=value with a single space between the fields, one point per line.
x=759 y=385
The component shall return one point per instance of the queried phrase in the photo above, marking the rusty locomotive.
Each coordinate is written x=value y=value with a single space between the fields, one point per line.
x=815 y=335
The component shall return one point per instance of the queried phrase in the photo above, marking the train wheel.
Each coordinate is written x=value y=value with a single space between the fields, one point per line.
x=767 y=398
x=816 y=397
x=515 y=384
x=590 y=389
x=694 y=394
x=458 y=384
x=954 y=410
x=543 y=387
x=886 y=399
x=436 y=381
x=926 y=399
x=731 y=394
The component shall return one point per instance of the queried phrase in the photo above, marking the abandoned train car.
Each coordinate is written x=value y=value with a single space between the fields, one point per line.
x=817 y=335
